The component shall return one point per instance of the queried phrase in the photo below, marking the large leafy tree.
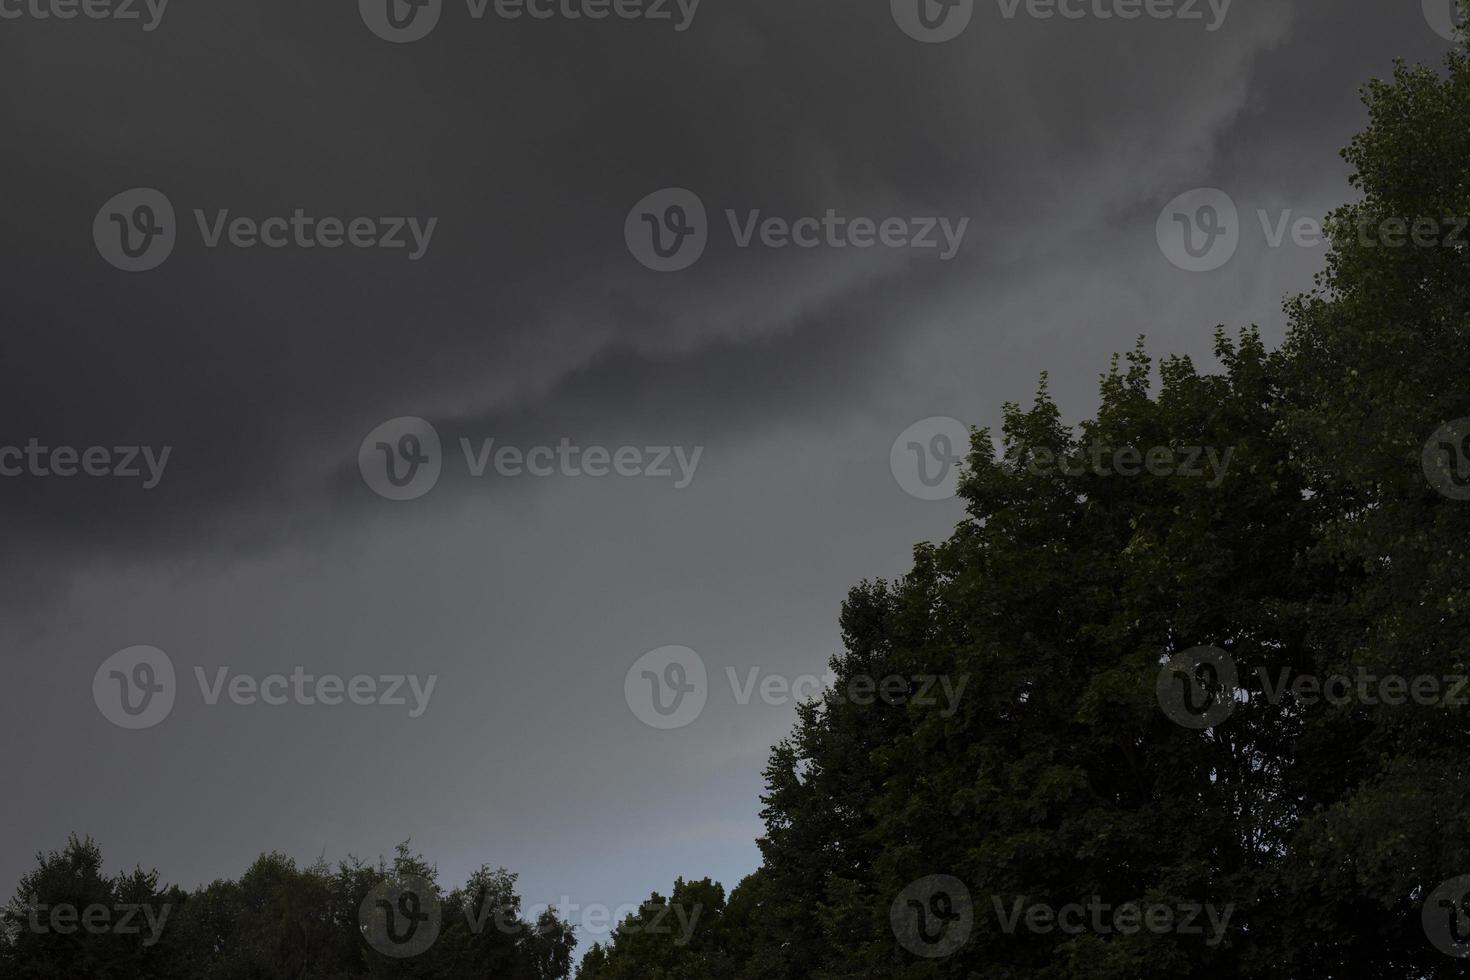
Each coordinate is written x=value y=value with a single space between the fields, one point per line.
x=45 y=930
x=1378 y=366
x=1320 y=826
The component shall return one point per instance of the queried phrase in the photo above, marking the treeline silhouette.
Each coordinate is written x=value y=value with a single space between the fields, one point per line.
x=70 y=920
x=1336 y=544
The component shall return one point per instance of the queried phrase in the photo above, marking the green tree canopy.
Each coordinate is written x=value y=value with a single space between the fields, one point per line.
x=1317 y=828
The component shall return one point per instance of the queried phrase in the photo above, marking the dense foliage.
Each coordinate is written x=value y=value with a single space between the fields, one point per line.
x=276 y=922
x=1319 y=825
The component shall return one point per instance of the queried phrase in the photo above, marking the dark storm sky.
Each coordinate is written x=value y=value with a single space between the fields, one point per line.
x=528 y=320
